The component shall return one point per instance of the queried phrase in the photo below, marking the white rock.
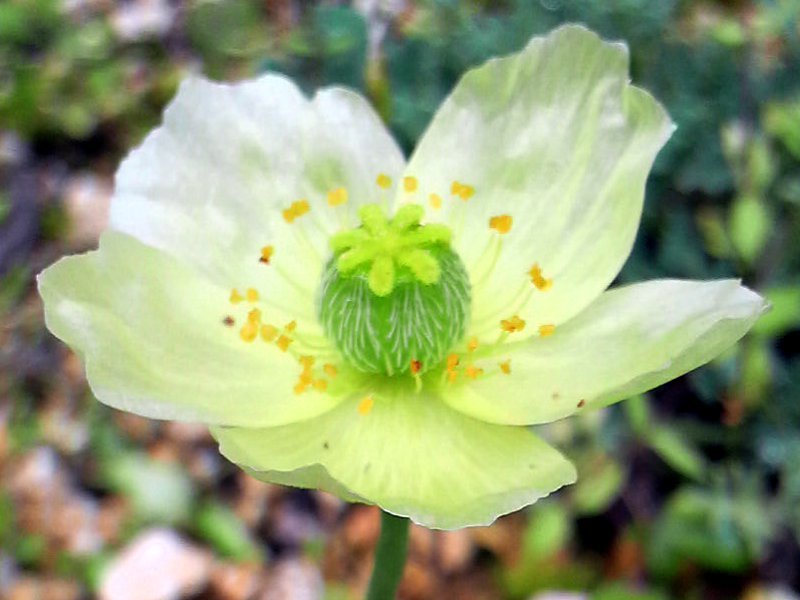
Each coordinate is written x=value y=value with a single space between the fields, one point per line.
x=156 y=565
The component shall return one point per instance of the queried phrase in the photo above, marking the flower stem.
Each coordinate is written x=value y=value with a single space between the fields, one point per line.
x=390 y=557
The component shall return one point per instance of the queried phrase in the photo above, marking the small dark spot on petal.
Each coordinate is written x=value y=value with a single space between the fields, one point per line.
x=228 y=321
x=556 y=396
x=581 y=403
x=326 y=445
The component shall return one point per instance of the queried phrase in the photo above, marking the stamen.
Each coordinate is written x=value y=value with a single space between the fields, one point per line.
x=463 y=191
x=416 y=367
x=473 y=372
x=269 y=333
x=307 y=362
x=236 y=297
x=266 y=254
x=337 y=197
x=254 y=316
x=283 y=343
x=547 y=330
x=291 y=326
x=320 y=385
x=541 y=283
x=435 y=201
x=472 y=345
x=501 y=223
x=384 y=181
x=452 y=361
x=505 y=367
x=452 y=375
x=297 y=209
x=410 y=184
x=252 y=295
x=300 y=387
x=513 y=324
x=330 y=370
x=365 y=406
x=249 y=331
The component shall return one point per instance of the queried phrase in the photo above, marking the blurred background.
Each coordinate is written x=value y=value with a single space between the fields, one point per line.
x=692 y=492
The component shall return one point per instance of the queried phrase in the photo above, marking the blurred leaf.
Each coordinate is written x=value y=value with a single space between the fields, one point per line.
x=750 y=227
x=677 y=452
x=782 y=120
x=226 y=533
x=618 y=591
x=548 y=531
x=638 y=413
x=784 y=313
x=598 y=485
x=158 y=491
x=756 y=372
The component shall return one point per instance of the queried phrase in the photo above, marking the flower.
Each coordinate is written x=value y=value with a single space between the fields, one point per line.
x=388 y=331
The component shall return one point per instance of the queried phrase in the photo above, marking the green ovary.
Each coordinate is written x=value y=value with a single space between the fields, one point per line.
x=394 y=293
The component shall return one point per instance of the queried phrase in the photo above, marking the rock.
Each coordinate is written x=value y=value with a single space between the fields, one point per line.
x=87 y=198
x=156 y=565
x=293 y=579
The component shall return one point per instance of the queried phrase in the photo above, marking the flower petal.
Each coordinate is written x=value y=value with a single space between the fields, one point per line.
x=411 y=455
x=630 y=340
x=555 y=138
x=155 y=342
x=210 y=185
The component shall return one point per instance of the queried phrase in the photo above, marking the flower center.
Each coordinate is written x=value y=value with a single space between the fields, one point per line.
x=394 y=298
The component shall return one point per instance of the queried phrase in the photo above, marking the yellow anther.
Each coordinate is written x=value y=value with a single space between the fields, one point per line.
x=436 y=201
x=330 y=370
x=410 y=184
x=384 y=181
x=416 y=367
x=452 y=361
x=236 y=297
x=254 y=316
x=249 y=331
x=505 y=367
x=463 y=191
x=452 y=375
x=300 y=387
x=269 y=333
x=501 y=223
x=547 y=330
x=283 y=343
x=307 y=362
x=320 y=385
x=365 y=406
x=473 y=372
x=266 y=254
x=291 y=326
x=337 y=197
x=513 y=324
x=538 y=280
x=472 y=345
x=306 y=377
x=301 y=207
x=252 y=295
x=297 y=209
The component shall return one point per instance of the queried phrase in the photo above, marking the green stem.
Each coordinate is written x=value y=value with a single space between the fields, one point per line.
x=390 y=558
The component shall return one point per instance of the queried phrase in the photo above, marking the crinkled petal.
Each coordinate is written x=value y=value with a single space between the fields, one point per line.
x=210 y=185
x=630 y=340
x=556 y=138
x=411 y=455
x=155 y=342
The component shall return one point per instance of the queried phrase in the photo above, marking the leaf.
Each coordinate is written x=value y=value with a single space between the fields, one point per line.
x=676 y=452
